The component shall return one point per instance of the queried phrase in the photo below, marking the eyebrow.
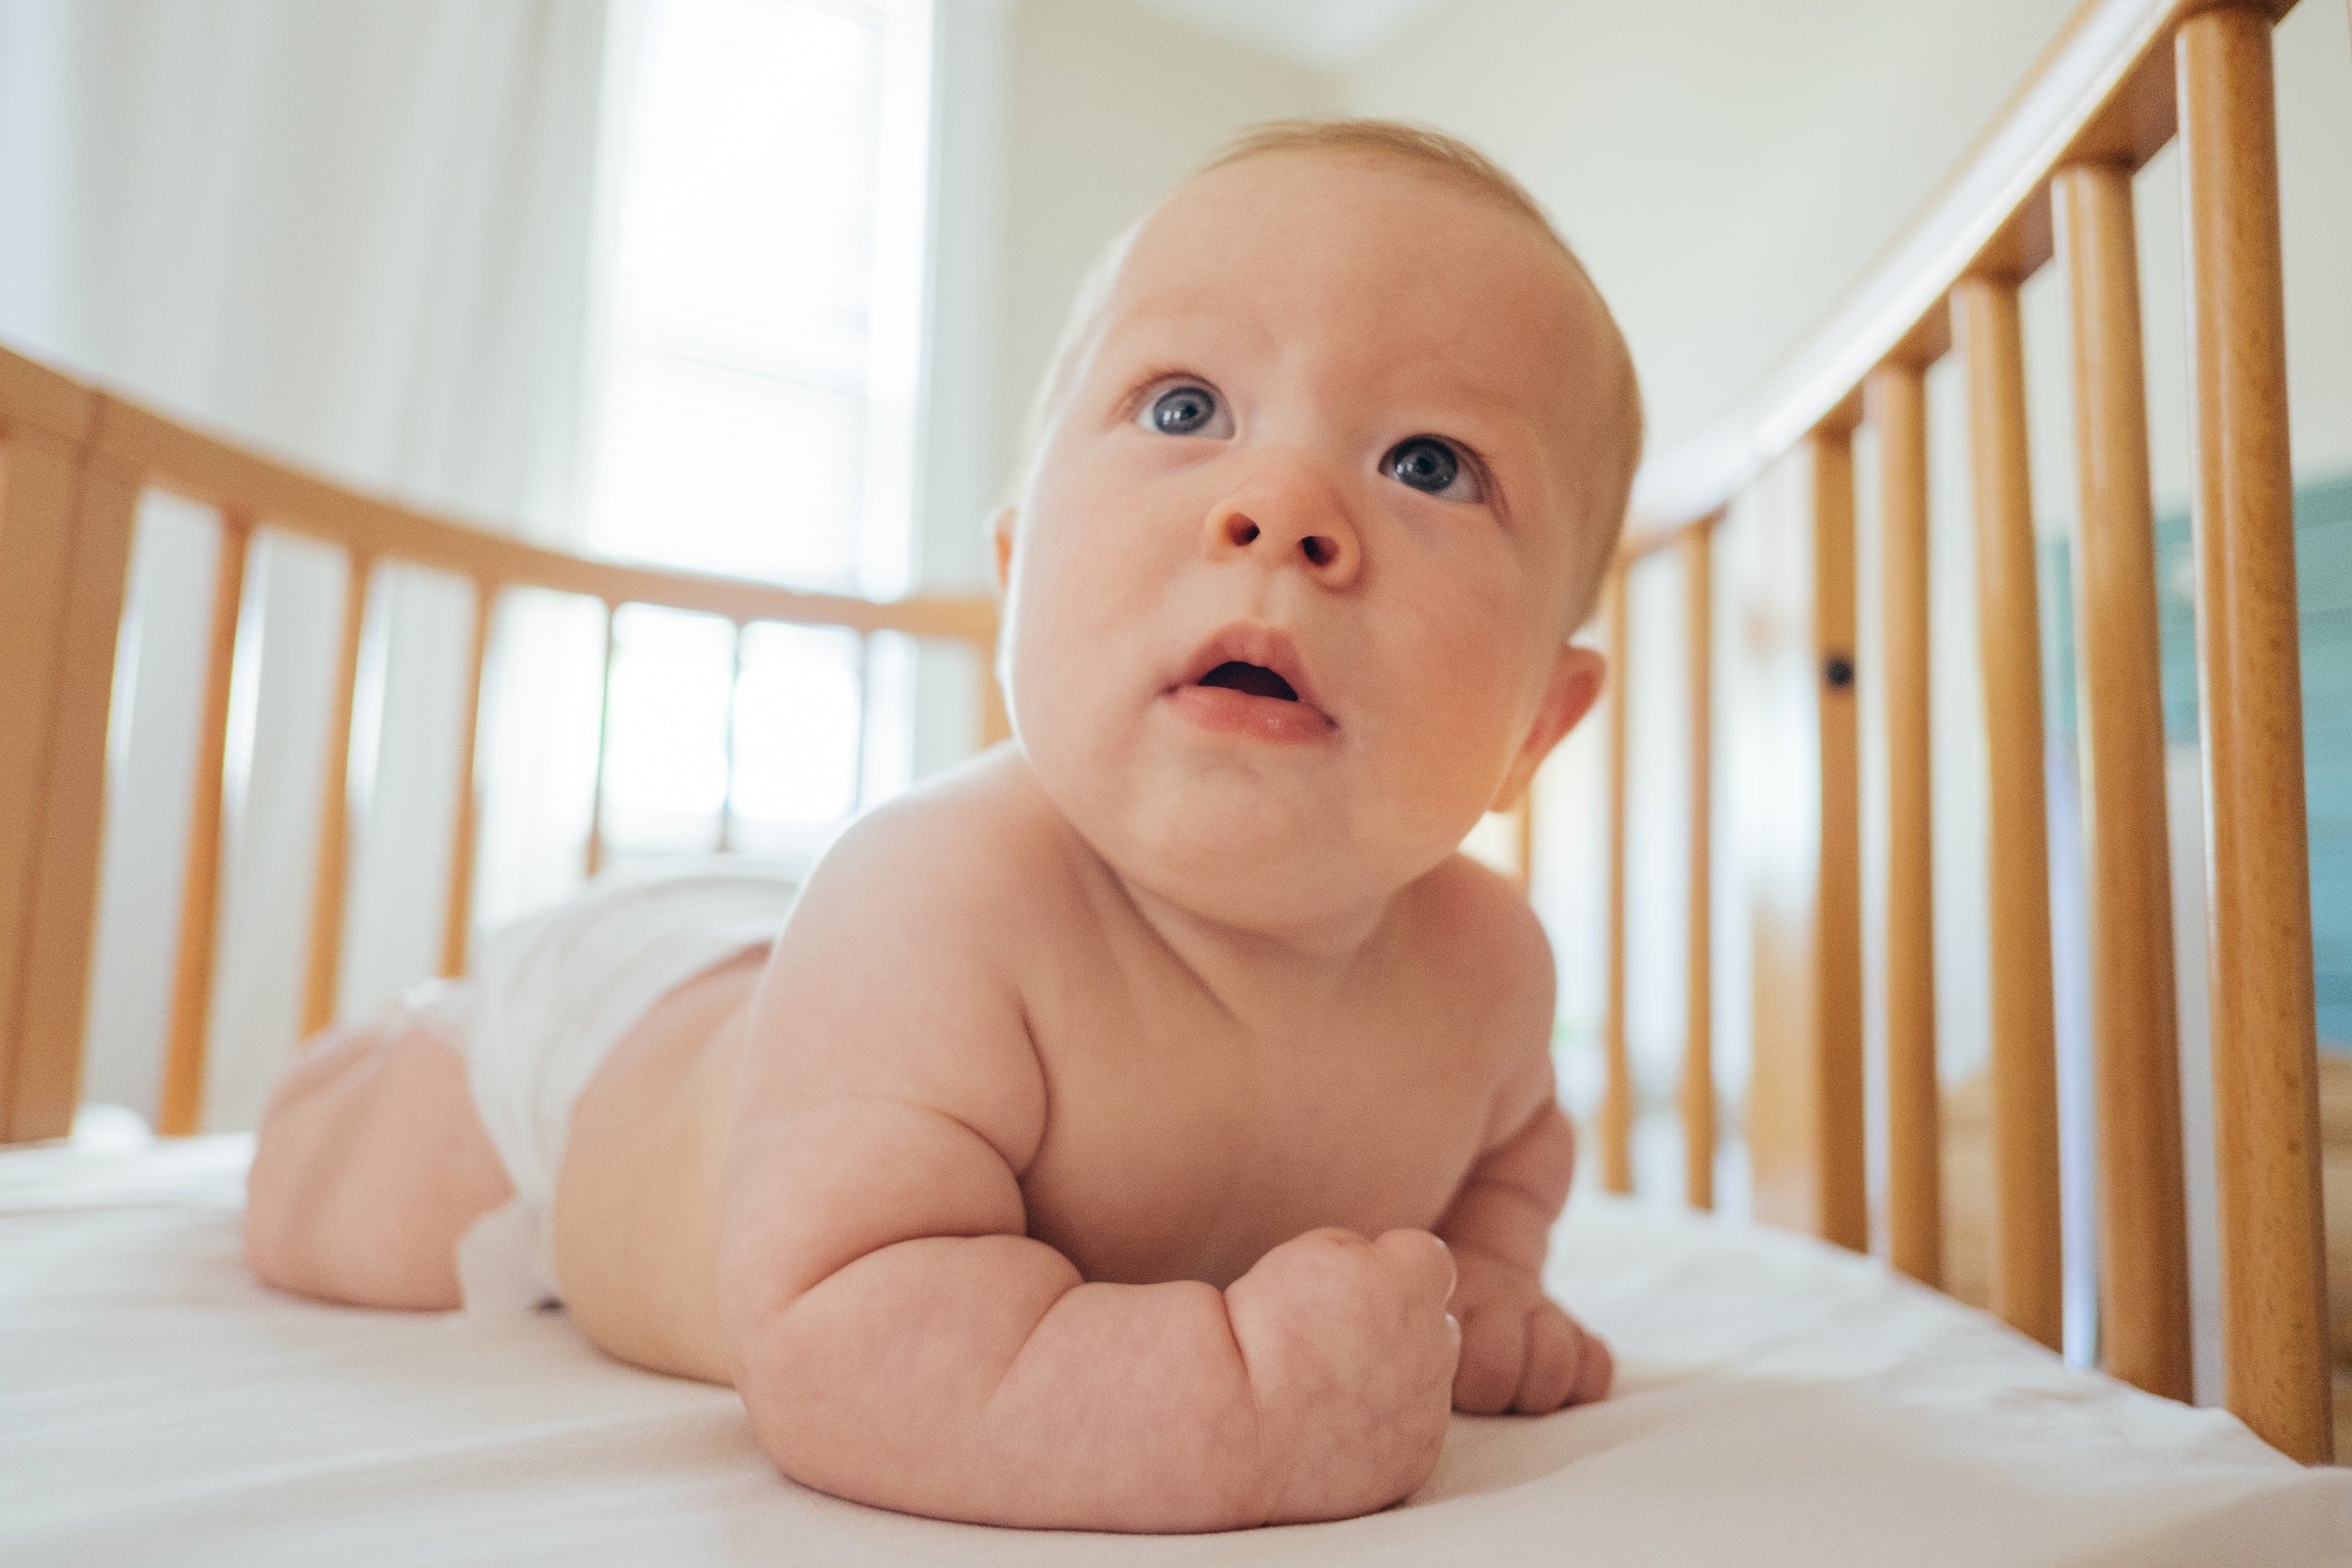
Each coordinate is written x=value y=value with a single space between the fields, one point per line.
x=1221 y=319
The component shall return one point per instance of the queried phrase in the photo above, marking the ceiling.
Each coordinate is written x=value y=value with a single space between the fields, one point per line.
x=1324 y=33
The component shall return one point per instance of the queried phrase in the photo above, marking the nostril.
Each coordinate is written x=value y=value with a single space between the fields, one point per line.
x=1241 y=531
x=1319 y=549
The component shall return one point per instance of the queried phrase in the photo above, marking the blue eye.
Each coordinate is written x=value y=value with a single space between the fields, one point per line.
x=1431 y=466
x=1182 y=410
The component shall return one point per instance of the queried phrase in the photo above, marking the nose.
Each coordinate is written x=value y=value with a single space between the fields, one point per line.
x=1284 y=518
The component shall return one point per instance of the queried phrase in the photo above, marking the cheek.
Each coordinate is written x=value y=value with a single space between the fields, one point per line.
x=1087 y=578
x=1460 y=655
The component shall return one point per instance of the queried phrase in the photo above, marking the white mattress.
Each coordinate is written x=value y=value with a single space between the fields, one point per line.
x=1780 y=1402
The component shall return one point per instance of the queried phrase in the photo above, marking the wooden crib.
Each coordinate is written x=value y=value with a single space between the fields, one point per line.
x=73 y=464
x=2051 y=180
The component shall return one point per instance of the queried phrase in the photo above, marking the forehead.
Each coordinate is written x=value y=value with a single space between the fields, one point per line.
x=1394 y=271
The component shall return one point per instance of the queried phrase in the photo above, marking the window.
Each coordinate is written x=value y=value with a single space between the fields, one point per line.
x=757 y=352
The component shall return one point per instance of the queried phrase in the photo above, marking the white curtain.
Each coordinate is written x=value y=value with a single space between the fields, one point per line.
x=358 y=235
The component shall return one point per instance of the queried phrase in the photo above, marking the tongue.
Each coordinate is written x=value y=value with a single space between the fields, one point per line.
x=1256 y=680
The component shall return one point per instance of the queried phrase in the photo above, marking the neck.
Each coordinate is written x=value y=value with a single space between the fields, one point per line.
x=1265 y=975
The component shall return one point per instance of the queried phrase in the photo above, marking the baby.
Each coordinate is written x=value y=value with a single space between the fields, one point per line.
x=1150 y=1124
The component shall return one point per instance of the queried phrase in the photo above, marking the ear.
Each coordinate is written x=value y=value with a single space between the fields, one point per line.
x=1000 y=537
x=1576 y=677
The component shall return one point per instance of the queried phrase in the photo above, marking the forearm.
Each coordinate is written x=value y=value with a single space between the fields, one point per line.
x=978 y=1378
x=1519 y=1351
x=1514 y=1194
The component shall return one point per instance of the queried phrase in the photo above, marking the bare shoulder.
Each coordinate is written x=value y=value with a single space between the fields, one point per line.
x=896 y=976
x=973 y=833
x=1488 y=937
x=1496 y=966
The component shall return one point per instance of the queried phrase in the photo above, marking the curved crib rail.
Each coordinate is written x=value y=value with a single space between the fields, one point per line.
x=73 y=462
x=2049 y=181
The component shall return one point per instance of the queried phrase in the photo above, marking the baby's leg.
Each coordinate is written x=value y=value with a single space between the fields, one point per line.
x=371 y=1163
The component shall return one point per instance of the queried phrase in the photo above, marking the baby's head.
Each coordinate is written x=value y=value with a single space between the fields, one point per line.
x=1330 y=462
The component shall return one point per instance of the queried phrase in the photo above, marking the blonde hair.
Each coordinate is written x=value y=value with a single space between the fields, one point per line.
x=1456 y=163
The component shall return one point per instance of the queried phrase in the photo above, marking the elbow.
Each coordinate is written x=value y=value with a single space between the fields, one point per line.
x=813 y=1414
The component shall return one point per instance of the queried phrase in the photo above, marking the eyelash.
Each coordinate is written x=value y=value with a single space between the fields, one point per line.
x=1161 y=380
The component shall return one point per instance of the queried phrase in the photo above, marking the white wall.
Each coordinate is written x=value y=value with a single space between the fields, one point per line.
x=1111 y=106
x=1725 y=169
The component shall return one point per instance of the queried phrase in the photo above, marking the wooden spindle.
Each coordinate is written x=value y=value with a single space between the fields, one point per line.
x=322 y=978
x=2028 y=1286
x=2266 y=1108
x=46 y=1084
x=726 y=797
x=995 y=719
x=2144 y=1249
x=40 y=477
x=1895 y=398
x=1616 y=1116
x=604 y=738
x=1843 y=1176
x=865 y=711
x=179 y=1109
x=457 y=916
x=1699 y=1045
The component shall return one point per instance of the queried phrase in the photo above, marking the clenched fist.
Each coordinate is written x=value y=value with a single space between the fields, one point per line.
x=1350 y=1354
x=1519 y=1351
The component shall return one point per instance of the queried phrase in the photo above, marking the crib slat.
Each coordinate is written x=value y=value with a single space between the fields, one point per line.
x=2266 y=1113
x=179 y=1109
x=2144 y=1248
x=1616 y=1118
x=2027 y=1281
x=996 y=721
x=1522 y=816
x=323 y=976
x=1698 y=1044
x=865 y=720
x=456 y=917
x=604 y=738
x=726 y=797
x=1842 y=1170
x=39 y=488
x=64 y=891
x=1896 y=401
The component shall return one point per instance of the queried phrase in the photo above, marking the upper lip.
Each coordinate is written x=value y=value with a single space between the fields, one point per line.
x=1247 y=642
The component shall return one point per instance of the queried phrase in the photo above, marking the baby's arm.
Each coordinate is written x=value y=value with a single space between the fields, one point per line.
x=1519 y=1351
x=899 y=1340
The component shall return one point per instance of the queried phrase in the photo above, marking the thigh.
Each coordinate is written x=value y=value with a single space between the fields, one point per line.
x=370 y=1163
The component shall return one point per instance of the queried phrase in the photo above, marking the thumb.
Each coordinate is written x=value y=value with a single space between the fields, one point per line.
x=1424 y=1260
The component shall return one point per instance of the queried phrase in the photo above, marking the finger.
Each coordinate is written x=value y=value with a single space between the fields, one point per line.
x=1425 y=1261
x=1596 y=1370
x=1554 y=1355
x=1493 y=1346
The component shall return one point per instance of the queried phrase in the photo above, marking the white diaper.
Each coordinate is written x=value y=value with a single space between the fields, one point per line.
x=548 y=998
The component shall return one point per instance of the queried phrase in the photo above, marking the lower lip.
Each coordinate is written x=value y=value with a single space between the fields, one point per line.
x=1231 y=713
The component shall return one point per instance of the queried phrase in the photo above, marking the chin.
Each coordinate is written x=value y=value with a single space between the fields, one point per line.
x=1243 y=862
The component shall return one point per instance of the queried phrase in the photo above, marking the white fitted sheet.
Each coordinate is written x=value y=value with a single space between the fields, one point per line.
x=1778 y=1403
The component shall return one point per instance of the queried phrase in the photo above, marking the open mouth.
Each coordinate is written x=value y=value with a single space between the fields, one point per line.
x=1250 y=680
x=1255 y=679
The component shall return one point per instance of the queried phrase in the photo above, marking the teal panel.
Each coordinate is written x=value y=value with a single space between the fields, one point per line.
x=2323 y=594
